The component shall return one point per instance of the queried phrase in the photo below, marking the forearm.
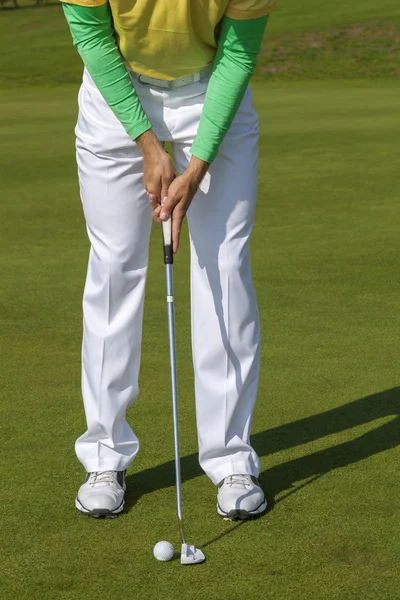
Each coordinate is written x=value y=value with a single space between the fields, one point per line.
x=238 y=48
x=93 y=36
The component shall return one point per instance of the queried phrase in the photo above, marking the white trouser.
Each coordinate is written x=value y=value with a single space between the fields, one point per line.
x=225 y=325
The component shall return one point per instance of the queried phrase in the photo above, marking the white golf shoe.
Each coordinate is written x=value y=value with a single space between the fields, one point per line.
x=102 y=494
x=240 y=497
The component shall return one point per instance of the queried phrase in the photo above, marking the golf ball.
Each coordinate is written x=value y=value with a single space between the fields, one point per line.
x=163 y=551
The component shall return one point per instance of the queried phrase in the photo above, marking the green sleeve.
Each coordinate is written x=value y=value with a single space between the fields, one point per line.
x=238 y=47
x=93 y=35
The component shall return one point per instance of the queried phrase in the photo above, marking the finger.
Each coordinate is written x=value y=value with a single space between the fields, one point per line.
x=153 y=187
x=165 y=183
x=169 y=202
x=156 y=214
x=154 y=193
x=153 y=201
x=168 y=205
x=177 y=219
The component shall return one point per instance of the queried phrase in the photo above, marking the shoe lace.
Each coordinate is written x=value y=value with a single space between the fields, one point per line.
x=102 y=477
x=243 y=480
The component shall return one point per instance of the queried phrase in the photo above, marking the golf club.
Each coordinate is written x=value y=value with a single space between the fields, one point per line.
x=189 y=554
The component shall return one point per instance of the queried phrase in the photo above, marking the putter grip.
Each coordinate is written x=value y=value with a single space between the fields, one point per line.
x=167 y=242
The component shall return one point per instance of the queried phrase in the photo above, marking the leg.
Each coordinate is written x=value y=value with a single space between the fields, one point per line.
x=225 y=325
x=118 y=219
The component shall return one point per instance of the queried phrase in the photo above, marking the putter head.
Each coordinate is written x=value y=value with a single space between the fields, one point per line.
x=190 y=555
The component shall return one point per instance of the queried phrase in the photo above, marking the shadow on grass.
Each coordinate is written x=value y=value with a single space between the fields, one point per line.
x=282 y=477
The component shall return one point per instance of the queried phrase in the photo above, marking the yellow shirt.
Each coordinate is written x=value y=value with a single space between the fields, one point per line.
x=168 y=39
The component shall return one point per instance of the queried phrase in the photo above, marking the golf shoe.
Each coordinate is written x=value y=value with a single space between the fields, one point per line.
x=240 y=497
x=102 y=494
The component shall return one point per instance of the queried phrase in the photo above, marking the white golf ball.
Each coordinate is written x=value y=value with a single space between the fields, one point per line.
x=163 y=551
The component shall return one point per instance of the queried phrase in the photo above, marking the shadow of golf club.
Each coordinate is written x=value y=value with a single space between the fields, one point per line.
x=283 y=477
x=223 y=534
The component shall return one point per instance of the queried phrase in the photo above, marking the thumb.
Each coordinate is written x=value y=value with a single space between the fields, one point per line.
x=165 y=183
x=167 y=206
x=164 y=189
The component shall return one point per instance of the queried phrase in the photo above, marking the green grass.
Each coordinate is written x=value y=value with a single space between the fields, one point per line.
x=325 y=251
x=293 y=17
x=361 y=50
x=325 y=258
x=303 y=40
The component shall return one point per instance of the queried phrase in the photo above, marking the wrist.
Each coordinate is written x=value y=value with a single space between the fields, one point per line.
x=197 y=168
x=148 y=142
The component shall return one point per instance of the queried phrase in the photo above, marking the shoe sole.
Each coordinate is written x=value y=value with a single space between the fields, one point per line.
x=98 y=513
x=242 y=515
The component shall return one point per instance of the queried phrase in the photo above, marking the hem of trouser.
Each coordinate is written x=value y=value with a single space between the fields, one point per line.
x=92 y=467
x=240 y=468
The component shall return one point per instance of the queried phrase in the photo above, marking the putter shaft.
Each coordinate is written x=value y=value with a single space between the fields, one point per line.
x=172 y=354
x=189 y=554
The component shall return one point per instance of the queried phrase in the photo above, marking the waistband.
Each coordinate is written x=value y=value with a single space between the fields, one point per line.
x=171 y=84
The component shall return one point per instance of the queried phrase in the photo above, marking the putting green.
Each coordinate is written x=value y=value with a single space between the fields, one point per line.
x=325 y=258
x=325 y=253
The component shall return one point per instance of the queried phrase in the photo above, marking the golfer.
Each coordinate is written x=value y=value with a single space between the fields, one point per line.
x=161 y=71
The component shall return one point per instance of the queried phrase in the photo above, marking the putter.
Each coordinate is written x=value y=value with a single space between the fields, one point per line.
x=190 y=555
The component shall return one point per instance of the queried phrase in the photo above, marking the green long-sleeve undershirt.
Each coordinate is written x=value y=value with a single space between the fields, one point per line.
x=93 y=35
x=238 y=46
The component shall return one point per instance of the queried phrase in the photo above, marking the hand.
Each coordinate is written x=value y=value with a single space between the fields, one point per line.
x=180 y=195
x=158 y=168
